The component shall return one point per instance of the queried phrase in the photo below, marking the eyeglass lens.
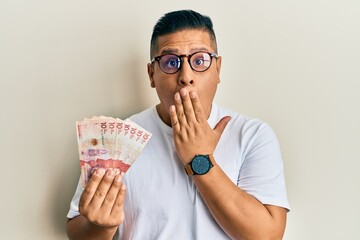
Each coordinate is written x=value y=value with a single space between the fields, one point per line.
x=199 y=62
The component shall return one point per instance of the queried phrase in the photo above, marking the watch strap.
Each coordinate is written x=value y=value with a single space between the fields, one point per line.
x=189 y=170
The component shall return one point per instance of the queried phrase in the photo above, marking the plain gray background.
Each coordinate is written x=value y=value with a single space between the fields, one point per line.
x=294 y=64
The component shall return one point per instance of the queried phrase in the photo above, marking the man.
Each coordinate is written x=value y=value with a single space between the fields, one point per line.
x=206 y=173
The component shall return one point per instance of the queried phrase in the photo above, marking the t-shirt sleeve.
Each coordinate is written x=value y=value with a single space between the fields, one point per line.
x=74 y=205
x=262 y=171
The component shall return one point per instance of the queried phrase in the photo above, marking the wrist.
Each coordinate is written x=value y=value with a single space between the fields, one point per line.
x=106 y=232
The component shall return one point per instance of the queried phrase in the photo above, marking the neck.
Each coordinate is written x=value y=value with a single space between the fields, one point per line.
x=163 y=116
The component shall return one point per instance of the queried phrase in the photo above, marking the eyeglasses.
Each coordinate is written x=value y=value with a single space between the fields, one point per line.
x=198 y=61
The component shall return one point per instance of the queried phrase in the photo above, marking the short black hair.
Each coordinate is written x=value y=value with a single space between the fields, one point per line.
x=181 y=20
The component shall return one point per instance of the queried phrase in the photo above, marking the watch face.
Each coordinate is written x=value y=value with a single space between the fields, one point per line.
x=201 y=164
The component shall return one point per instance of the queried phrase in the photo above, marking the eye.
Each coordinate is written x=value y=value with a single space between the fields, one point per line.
x=198 y=61
x=170 y=62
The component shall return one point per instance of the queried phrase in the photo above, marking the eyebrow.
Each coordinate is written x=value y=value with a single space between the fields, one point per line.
x=169 y=50
x=173 y=50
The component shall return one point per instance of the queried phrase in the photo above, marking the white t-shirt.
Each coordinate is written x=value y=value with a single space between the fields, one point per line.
x=162 y=202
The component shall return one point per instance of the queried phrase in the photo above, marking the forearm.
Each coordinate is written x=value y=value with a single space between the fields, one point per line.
x=80 y=228
x=239 y=214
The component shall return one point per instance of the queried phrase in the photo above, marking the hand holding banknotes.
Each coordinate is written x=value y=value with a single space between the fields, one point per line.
x=102 y=200
x=192 y=133
x=107 y=149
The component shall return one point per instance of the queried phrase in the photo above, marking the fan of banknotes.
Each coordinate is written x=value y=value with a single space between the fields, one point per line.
x=109 y=143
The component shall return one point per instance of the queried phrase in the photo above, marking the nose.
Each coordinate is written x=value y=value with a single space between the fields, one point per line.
x=186 y=74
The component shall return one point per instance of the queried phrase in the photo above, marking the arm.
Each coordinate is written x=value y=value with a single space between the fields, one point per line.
x=100 y=207
x=239 y=214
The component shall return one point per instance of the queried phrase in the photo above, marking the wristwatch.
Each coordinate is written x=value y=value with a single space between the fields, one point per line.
x=200 y=164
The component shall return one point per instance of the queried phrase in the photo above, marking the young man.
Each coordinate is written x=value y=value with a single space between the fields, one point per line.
x=207 y=172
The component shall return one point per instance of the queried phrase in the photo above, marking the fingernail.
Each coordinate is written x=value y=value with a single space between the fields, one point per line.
x=183 y=91
x=177 y=97
x=100 y=172
x=118 y=178
x=172 y=108
x=192 y=94
x=111 y=173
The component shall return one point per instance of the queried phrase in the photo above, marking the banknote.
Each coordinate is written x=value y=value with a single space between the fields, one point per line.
x=109 y=143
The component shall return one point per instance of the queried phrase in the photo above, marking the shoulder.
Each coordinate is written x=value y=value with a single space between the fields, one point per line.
x=143 y=116
x=240 y=121
x=249 y=131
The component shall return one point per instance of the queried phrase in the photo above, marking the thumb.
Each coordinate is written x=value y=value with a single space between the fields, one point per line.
x=220 y=126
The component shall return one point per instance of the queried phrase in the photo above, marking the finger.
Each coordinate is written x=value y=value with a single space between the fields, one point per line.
x=198 y=110
x=187 y=105
x=119 y=201
x=102 y=189
x=174 y=120
x=91 y=187
x=179 y=110
x=112 y=194
x=220 y=126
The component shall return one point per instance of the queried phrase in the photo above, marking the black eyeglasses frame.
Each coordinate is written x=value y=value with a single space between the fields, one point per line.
x=188 y=56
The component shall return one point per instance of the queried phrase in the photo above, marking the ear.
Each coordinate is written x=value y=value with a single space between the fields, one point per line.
x=218 y=66
x=150 y=71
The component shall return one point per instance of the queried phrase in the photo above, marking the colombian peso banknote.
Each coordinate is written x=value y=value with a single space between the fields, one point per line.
x=109 y=143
